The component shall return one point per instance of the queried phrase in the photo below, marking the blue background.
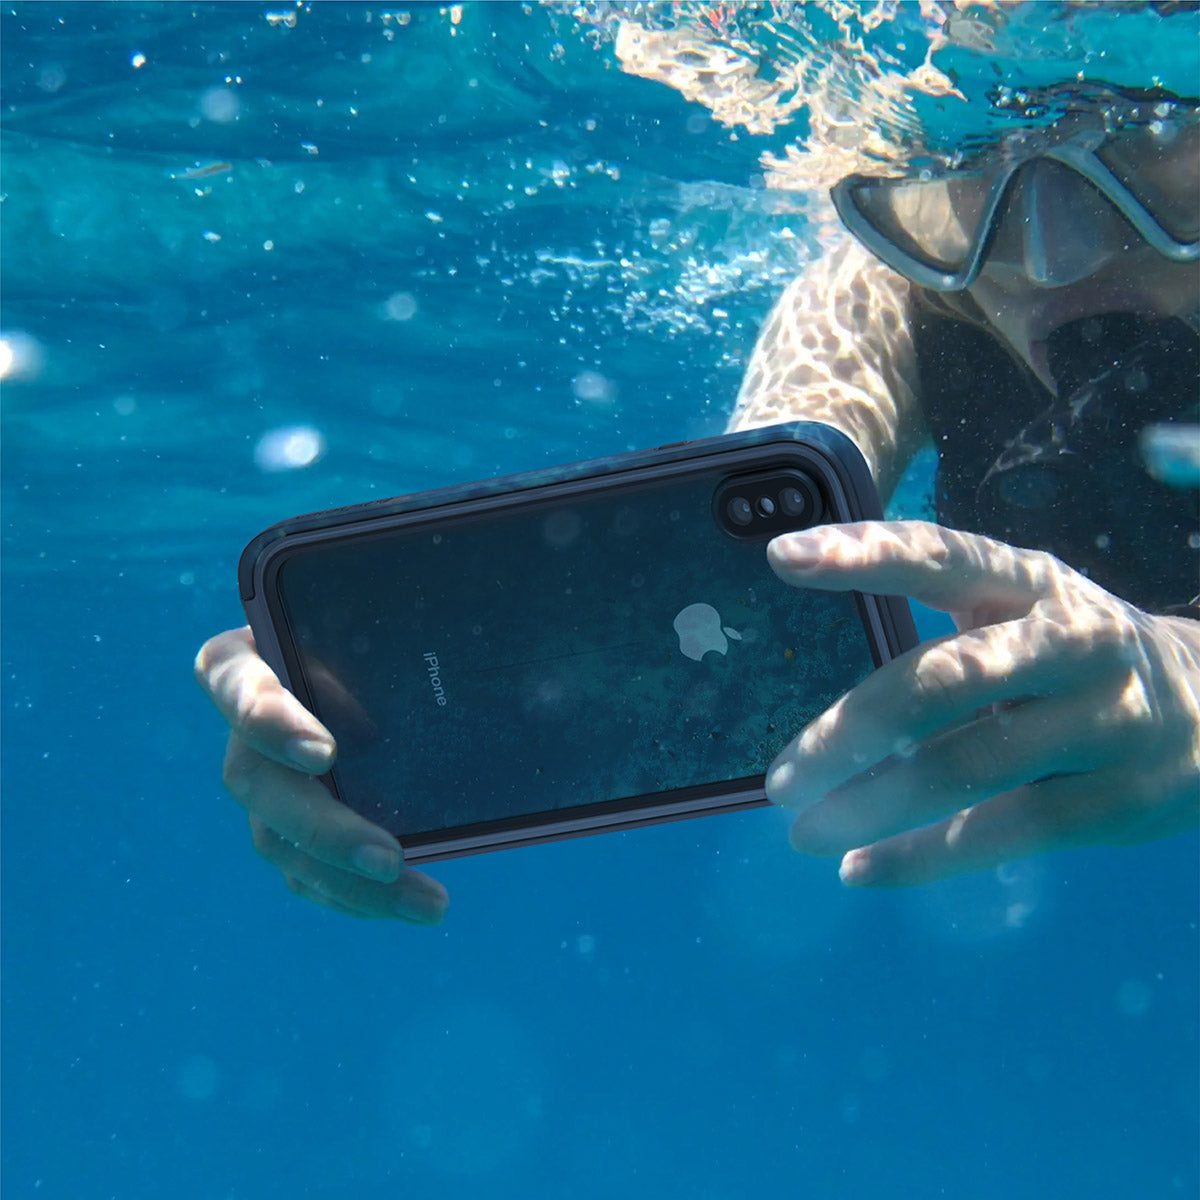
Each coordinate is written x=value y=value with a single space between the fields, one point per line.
x=686 y=1011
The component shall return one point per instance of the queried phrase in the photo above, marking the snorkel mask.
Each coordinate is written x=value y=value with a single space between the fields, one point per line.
x=1057 y=204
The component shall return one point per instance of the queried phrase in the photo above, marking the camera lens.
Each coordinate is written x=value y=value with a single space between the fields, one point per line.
x=739 y=510
x=765 y=506
x=792 y=501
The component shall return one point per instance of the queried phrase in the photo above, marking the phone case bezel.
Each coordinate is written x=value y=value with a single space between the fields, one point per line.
x=832 y=457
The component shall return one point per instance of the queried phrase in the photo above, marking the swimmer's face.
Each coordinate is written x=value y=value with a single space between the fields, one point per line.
x=1063 y=252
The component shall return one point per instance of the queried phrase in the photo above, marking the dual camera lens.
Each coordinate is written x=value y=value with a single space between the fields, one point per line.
x=789 y=500
x=766 y=504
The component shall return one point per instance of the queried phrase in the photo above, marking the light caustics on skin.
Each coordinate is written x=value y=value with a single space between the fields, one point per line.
x=838 y=347
x=1057 y=699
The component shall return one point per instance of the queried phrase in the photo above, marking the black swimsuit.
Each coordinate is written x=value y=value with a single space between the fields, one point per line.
x=1064 y=474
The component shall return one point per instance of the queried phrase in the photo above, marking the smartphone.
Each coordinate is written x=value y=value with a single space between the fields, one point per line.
x=586 y=648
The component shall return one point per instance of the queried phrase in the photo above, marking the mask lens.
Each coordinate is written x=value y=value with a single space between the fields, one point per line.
x=935 y=221
x=1055 y=227
x=1161 y=167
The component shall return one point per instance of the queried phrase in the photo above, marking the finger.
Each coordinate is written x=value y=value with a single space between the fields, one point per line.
x=338 y=705
x=309 y=893
x=946 y=683
x=933 y=688
x=1054 y=814
x=413 y=897
x=257 y=707
x=943 y=568
x=300 y=810
x=997 y=753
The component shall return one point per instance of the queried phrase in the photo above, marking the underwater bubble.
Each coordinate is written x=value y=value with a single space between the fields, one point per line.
x=289 y=449
x=20 y=356
x=1009 y=873
x=626 y=522
x=400 y=306
x=1133 y=998
x=1171 y=453
x=198 y=1078
x=992 y=904
x=1039 y=1068
x=766 y=905
x=874 y=1064
x=262 y=1092
x=220 y=105
x=560 y=529
x=548 y=692
x=1137 y=380
x=593 y=388
x=51 y=78
x=464 y=1090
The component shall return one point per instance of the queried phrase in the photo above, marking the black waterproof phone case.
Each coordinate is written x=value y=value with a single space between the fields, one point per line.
x=591 y=647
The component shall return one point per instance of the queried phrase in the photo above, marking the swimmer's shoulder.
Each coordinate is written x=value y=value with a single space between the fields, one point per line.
x=838 y=348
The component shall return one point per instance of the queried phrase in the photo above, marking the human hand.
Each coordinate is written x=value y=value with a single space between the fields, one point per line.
x=1058 y=715
x=326 y=852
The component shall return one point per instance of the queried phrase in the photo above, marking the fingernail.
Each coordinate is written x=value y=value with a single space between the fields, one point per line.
x=855 y=868
x=312 y=755
x=422 y=900
x=778 y=780
x=377 y=862
x=798 y=550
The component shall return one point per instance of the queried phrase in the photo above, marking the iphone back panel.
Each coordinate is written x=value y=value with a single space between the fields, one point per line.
x=587 y=648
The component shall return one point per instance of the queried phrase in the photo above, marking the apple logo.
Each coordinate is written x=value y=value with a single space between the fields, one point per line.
x=700 y=630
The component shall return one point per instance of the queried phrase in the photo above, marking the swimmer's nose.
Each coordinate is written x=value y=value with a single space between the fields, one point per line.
x=1057 y=228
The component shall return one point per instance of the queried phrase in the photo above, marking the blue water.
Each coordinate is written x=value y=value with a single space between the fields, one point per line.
x=687 y=1011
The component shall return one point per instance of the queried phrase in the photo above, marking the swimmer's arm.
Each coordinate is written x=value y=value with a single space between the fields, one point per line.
x=838 y=348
